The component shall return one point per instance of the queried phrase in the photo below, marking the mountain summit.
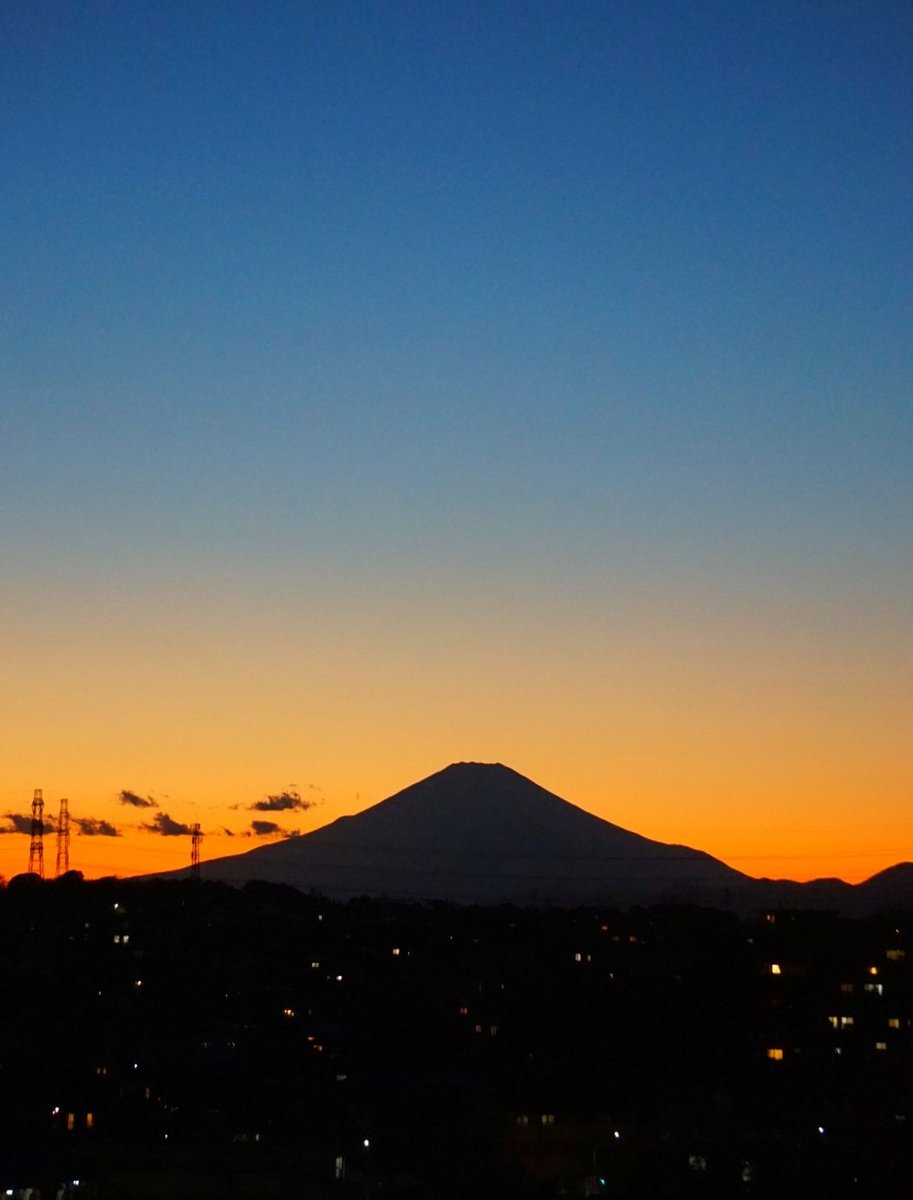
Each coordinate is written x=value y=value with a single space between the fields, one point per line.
x=480 y=832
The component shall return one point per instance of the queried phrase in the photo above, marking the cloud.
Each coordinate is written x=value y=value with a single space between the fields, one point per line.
x=21 y=823
x=228 y=832
x=163 y=824
x=93 y=827
x=269 y=829
x=135 y=800
x=16 y=823
x=282 y=802
x=265 y=828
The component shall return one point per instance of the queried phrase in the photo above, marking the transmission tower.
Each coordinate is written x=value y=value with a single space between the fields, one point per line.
x=36 y=845
x=63 y=840
x=196 y=837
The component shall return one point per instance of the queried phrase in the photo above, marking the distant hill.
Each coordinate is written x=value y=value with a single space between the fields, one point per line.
x=482 y=833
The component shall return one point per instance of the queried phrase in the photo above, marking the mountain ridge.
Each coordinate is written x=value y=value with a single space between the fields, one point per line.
x=483 y=833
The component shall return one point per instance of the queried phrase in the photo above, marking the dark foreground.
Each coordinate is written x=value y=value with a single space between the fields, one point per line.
x=191 y=1041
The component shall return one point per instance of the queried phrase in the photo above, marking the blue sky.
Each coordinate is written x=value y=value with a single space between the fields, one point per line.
x=459 y=317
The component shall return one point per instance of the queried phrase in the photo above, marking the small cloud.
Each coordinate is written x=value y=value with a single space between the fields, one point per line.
x=282 y=802
x=16 y=823
x=94 y=827
x=134 y=800
x=21 y=823
x=163 y=824
x=227 y=831
x=265 y=828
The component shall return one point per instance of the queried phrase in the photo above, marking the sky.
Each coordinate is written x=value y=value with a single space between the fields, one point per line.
x=384 y=385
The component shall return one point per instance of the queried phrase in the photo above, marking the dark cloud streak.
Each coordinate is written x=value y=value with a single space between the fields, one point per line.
x=17 y=823
x=282 y=802
x=265 y=828
x=162 y=824
x=94 y=827
x=134 y=800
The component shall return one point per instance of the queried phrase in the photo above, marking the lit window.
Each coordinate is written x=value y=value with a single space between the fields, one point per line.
x=847 y=1022
x=478 y=1028
x=315 y=966
x=396 y=951
x=775 y=1053
x=873 y=970
x=578 y=957
x=126 y=938
x=117 y=939
x=101 y=1070
x=522 y=1119
x=847 y=989
x=875 y=988
x=137 y=983
x=288 y=1012
x=493 y=1030
x=464 y=1011
x=547 y=1118
x=775 y=969
x=896 y=955
x=893 y=1022
x=90 y=1120
x=835 y=1022
x=71 y=1122
x=881 y=1045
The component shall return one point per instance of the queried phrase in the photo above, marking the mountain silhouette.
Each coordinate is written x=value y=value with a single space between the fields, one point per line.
x=482 y=833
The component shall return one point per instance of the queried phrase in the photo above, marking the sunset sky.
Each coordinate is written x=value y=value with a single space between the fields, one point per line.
x=389 y=384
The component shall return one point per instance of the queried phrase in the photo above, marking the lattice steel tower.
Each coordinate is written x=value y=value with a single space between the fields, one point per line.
x=63 y=839
x=36 y=845
x=196 y=837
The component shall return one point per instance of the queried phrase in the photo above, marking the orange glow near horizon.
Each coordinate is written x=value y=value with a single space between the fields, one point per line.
x=777 y=741
x=779 y=841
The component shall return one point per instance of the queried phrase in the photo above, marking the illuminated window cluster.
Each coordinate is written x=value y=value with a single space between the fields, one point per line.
x=841 y=1022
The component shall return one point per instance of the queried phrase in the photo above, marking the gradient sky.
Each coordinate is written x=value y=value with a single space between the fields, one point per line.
x=390 y=384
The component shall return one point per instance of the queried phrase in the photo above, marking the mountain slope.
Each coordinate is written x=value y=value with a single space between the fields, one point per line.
x=477 y=832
